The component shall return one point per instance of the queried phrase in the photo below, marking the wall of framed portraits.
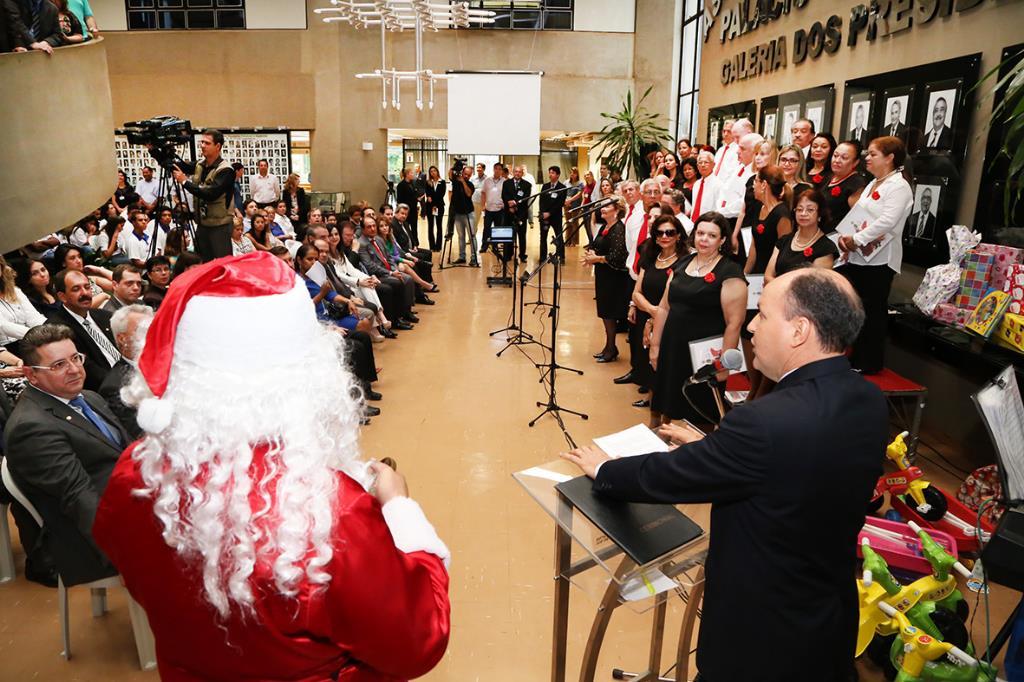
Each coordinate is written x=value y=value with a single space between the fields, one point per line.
x=780 y=112
x=982 y=31
x=730 y=112
x=928 y=107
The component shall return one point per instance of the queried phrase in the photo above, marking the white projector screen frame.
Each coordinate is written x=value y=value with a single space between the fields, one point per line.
x=494 y=113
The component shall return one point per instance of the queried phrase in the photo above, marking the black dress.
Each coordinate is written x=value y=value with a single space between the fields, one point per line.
x=766 y=234
x=838 y=199
x=751 y=209
x=652 y=286
x=613 y=287
x=819 y=180
x=788 y=259
x=798 y=189
x=695 y=312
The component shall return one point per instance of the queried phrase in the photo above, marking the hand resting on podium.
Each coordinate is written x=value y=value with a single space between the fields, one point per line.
x=589 y=458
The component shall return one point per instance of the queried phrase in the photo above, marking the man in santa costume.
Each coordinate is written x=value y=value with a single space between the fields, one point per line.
x=243 y=521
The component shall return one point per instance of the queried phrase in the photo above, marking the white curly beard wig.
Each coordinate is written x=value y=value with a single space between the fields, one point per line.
x=299 y=402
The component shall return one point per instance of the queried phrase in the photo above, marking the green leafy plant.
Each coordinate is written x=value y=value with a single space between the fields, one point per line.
x=623 y=140
x=1008 y=114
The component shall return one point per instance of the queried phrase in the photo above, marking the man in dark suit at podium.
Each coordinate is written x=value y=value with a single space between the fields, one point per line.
x=514 y=193
x=788 y=477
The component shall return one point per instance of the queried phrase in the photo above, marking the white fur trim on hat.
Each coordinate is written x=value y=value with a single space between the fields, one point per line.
x=154 y=414
x=411 y=530
x=227 y=332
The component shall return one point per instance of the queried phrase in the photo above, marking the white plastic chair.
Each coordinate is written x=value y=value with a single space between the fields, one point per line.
x=144 y=642
x=7 y=572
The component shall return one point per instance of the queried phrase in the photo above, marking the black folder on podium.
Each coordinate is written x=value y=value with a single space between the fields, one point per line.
x=643 y=531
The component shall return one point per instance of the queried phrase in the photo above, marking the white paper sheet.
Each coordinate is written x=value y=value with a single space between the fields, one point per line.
x=855 y=221
x=656 y=582
x=636 y=440
x=538 y=472
x=1001 y=407
x=747 y=233
x=755 y=285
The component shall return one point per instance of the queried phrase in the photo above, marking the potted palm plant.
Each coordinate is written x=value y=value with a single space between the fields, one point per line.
x=629 y=135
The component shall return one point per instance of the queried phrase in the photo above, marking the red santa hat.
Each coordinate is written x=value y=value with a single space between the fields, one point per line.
x=219 y=316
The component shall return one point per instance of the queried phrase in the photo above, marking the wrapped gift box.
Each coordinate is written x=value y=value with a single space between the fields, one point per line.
x=1003 y=258
x=951 y=314
x=974 y=279
x=1011 y=331
x=1014 y=286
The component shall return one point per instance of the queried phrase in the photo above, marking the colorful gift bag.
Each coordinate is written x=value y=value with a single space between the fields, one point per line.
x=1014 y=286
x=1005 y=256
x=941 y=282
x=974 y=279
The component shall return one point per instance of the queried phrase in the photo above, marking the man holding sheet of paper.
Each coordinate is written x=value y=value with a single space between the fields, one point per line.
x=788 y=477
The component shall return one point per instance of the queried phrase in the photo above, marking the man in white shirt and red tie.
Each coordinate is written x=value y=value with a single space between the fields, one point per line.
x=733 y=188
x=729 y=161
x=727 y=141
x=705 y=190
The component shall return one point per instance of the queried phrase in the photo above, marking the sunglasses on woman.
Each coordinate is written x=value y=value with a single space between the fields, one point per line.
x=666 y=233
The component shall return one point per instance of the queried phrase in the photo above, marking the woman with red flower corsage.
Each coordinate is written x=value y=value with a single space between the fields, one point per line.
x=843 y=189
x=875 y=251
x=774 y=220
x=705 y=297
x=764 y=155
x=819 y=159
x=807 y=246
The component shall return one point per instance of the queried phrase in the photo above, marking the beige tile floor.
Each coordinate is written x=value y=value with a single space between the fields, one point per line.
x=455 y=419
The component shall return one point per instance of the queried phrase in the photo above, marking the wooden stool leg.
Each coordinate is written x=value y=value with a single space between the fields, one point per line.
x=693 y=602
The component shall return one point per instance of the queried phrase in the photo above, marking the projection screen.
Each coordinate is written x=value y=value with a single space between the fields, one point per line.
x=494 y=113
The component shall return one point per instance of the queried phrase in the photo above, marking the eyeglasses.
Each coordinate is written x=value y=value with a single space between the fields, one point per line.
x=77 y=360
x=666 y=233
x=785 y=159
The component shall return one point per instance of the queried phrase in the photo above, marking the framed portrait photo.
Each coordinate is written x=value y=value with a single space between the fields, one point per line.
x=815 y=113
x=922 y=225
x=939 y=120
x=790 y=115
x=894 y=116
x=856 y=124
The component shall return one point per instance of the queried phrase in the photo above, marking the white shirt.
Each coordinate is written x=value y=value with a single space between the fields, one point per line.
x=242 y=246
x=134 y=246
x=732 y=191
x=634 y=221
x=111 y=360
x=161 y=235
x=264 y=188
x=888 y=214
x=285 y=223
x=686 y=222
x=478 y=188
x=708 y=198
x=17 y=317
x=78 y=236
x=806 y=150
x=147 y=191
x=492 y=194
x=727 y=159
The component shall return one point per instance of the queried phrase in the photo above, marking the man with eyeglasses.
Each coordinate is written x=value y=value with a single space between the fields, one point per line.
x=62 y=443
x=91 y=328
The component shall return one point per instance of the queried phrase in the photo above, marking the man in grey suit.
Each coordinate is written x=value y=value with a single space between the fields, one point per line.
x=62 y=445
x=374 y=261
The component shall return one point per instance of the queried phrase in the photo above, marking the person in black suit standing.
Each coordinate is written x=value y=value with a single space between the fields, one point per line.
x=514 y=193
x=921 y=224
x=406 y=193
x=552 y=201
x=91 y=328
x=62 y=443
x=783 y=545
x=939 y=136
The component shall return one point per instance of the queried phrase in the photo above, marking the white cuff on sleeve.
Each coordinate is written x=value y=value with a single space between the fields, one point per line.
x=412 y=531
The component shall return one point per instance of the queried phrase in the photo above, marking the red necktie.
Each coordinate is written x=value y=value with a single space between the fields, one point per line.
x=696 y=204
x=639 y=242
x=629 y=213
x=380 y=253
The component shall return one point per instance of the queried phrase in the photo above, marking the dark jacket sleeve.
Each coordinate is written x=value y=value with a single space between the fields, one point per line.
x=110 y=391
x=16 y=33
x=49 y=25
x=726 y=465
x=371 y=264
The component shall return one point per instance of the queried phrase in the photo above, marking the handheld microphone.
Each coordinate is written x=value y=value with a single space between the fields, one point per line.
x=732 y=360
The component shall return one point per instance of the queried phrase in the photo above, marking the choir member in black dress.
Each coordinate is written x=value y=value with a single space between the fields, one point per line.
x=791 y=161
x=433 y=204
x=612 y=283
x=764 y=155
x=807 y=246
x=819 y=159
x=666 y=244
x=844 y=187
x=672 y=171
x=774 y=220
x=706 y=296
x=688 y=169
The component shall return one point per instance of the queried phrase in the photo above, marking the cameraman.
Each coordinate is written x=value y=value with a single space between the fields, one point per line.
x=461 y=209
x=212 y=184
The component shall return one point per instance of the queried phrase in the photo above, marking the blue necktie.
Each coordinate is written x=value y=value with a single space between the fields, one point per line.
x=96 y=420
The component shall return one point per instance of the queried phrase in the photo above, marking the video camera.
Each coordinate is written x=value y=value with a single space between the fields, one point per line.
x=162 y=134
x=457 y=167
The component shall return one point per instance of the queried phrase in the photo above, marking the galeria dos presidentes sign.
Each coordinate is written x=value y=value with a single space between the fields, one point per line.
x=869 y=22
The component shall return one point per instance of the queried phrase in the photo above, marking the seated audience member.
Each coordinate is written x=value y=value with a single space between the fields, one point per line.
x=373 y=261
x=402 y=231
x=249 y=210
x=91 y=327
x=68 y=257
x=286 y=229
x=127 y=288
x=341 y=313
x=396 y=297
x=259 y=233
x=158 y=276
x=107 y=242
x=62 y=443
x=137 y=243
x=160 y=227
x=373 y=256
x=34 y=281
x=761 y=471
x=129 y=325
x=12 y=379
x=365 y=311
x=185 y=262
x=17 y=314
x=240 y=244
x=178 y=242
x=81 y=232
x=363 y=285
x=400 y=261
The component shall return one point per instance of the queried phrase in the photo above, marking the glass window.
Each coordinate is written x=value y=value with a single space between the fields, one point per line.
x=689 y=68
x=185 y=14
x=554 y=15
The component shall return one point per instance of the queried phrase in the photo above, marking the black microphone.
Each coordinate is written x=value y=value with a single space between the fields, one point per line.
x=732 y=360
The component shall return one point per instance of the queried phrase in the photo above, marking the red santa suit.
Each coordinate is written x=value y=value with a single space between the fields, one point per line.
x=383 y=615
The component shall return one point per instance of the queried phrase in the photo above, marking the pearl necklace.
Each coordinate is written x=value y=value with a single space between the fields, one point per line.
x=671 y=256
x=804 y=245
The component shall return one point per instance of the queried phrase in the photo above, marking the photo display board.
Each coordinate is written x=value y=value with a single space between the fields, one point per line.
x=719 y=115
x=248 y=148
x=928 y=107
x=131 y=158
x=780 y=112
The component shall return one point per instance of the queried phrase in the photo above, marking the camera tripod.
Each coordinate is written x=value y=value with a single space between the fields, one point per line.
x=182 y=219
x=446 y=247
x=515 y=325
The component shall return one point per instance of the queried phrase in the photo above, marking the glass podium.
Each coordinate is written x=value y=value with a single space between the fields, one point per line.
x=587 y=558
